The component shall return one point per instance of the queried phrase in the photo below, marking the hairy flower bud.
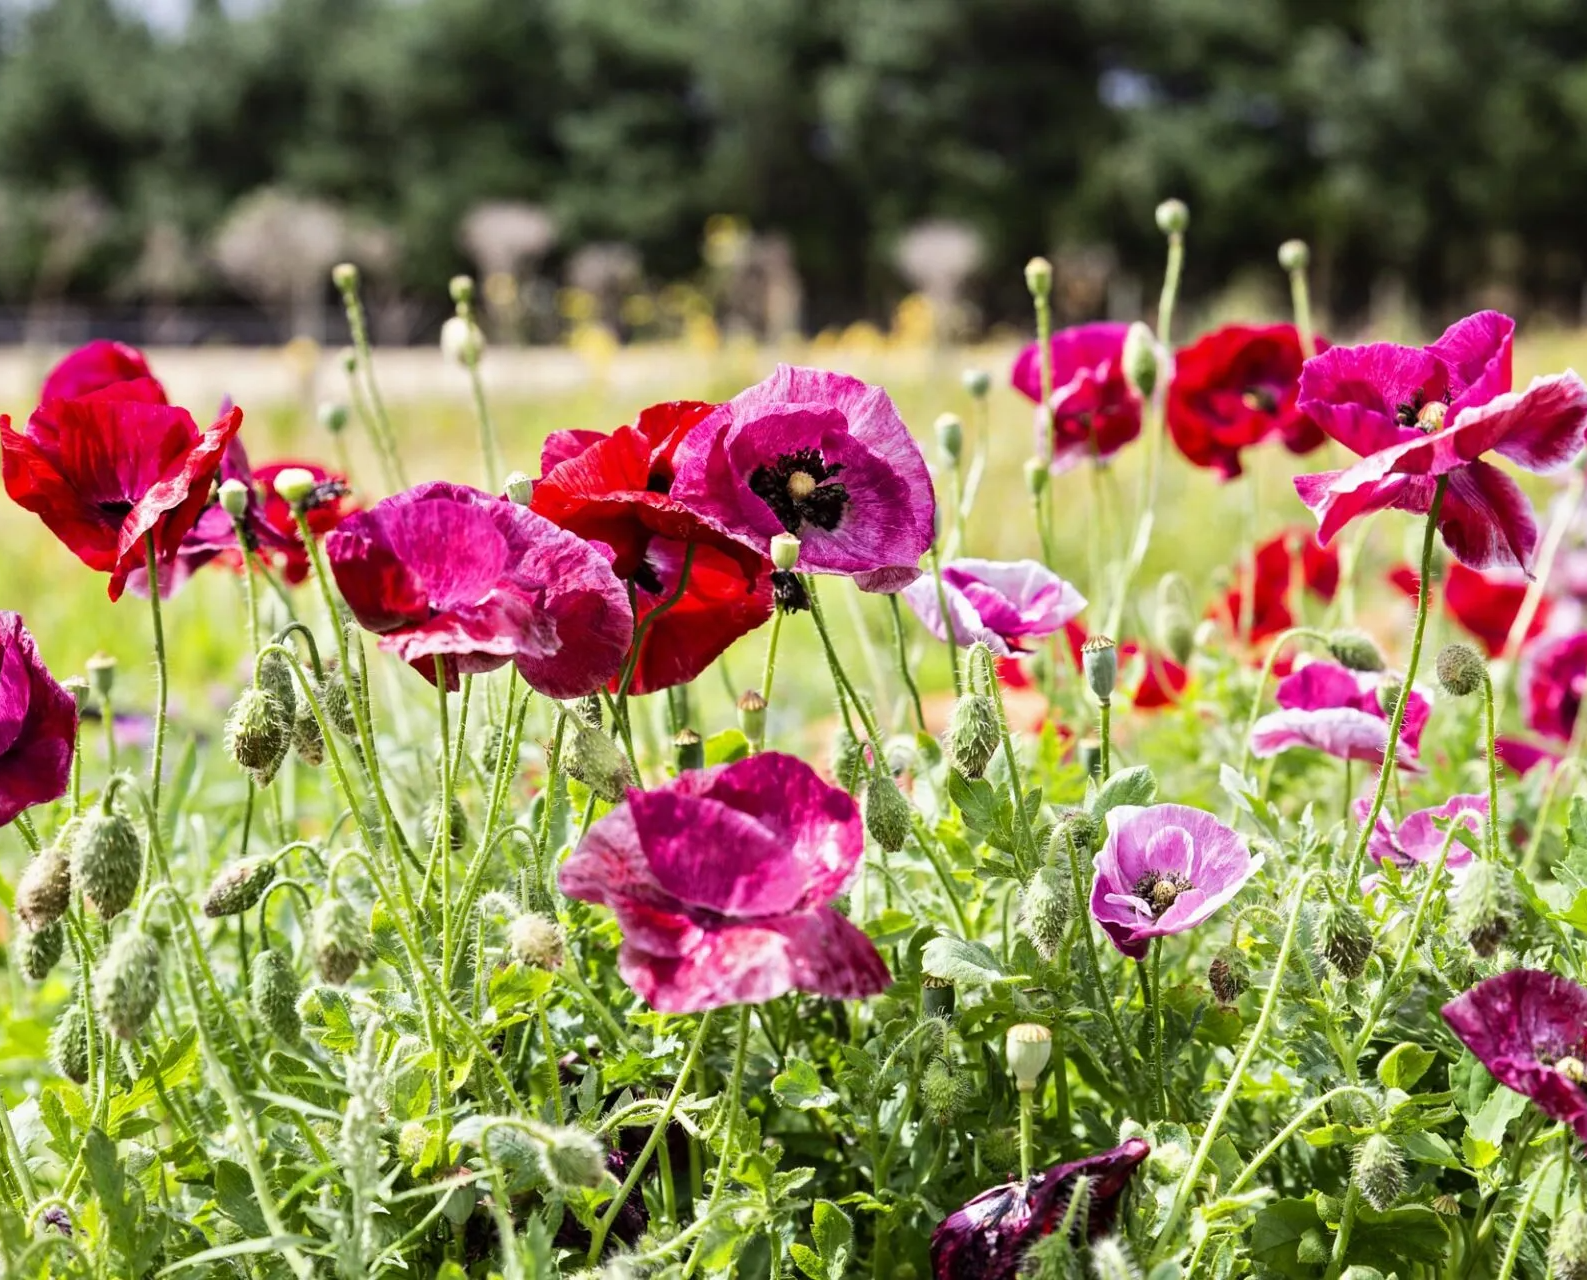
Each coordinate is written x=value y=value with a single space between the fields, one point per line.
x=752 y=716
x=1344 y=939
x=950 y=438
x=339 y=940
x=258 y=733
x=942 y=1091
x=1355 y=650
x=456 y=827
x=1140 y=359
x=1460 y=669
x=44 y=890
x=39 y=950
x=69 y=1043
x=1029 y=1049
x=936 y=996
x=1100 y=659
x=973 y=734
x=1038 y=277
x=978 y=382
x=1567 y=1247
x=336 y=697
x=127 y=983
x=1228 y=975
x=688 y=750
x=887 y=813
x=1487 y=906
x=107 y=860
x=276 y=678
x=1293 y=255
x=1173 y=217
x=1176 y=631
x=575 y=1158
x=1379 y=1172
x=1075 y=826
x=273 y=992
x=1389 y=694
x=1045 y=909
x=536 y=941
x=412 y=1139
x=234 y=498
x=595 y=760
x=307 y=739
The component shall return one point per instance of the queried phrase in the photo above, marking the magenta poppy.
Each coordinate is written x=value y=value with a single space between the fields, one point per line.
x=1163 y=870
x=1003 y=604
x=1529 y=1028
x=1417 y=414
x=822 y=456
x=1556 y=678
x=1095 y=412
x=1418 y=839
x=446 y=571
x=1337 y=711
x=722 y=882
x=38 y=724
x=986 y=1237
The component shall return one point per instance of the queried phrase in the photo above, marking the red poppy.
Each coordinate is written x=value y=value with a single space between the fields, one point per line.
x=96 y=366
x=1236 y=388
x=326 y=510
x=107 y=469
x=1484 y=602
x=1289 y=558
x=616 y=489
x=1161 y=680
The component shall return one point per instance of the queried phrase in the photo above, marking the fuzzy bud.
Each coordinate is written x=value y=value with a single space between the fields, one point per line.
x=127 y=983
x=69 y=1043
x=936 y=996
x=258 y=733
x=1461 y=670
x=39 y=950
x=1173 y=217
x=412 y=1139
x=336 y=696
x=1293 y=255
x=575 y=1158
x=978 y=382
x=1487 y=906
x=333 y=416
x=339 y=940
x=518 y=489
x=1140 y=359
x=295 y=486
x=594 y=759
x=107 y=860
x=273 y=992
x=276 y=678
x=588 y=710
x=688 y=750
x=848 y=758
x=1379 y=1172
x=101 y=670
x=461 y=289
x=784 y=552
x=238 y=886
x=950 y=438
x=1355 y=650
x=456 y=827
x=536 y=941
x=307 y=739
x=1036 y=477
x=1228 y=975
x=1045 y=910
x=1389 y=694
x=1073 y=825
x=234 y=498
x=1111 y=1259
x=1344 y=939
x=1567 y=1247
x=462 y=341
x=44 y=890
x=1029 y=1049
x=344 y=275
x=942 y=1091
x=1038 y=277
x=973 y=734
x=887 y=813
x=752 y=716
x=1100 y=659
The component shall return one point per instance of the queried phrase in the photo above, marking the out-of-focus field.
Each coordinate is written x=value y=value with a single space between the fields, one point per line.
x=1200 y=524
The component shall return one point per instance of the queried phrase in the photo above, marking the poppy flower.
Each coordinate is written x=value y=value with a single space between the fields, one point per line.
x=94 y=367
x=1484 y=603
x=38 y=724
x=1331 y=709
x=616 y=489
x=1003 y=604
x=1149 y=679
x=1419 y=839
x=443 y=570
x=1521 y=755
x=986 y=1237
x=1287 y=558
x=1163 y=870
x=106 y=470
x=1416 y=415
x=822 y=456
x=722 y=882
x=1529 y=1028
x=1556 y=678
x=1095 y=411
x=1234 y=388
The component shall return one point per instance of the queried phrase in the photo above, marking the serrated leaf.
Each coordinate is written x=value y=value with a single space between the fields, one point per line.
x=808 y=1261
x=802 y=1088
x=1404 y=1065
x=975 y=799
x=1133 y=786
x=959 y=961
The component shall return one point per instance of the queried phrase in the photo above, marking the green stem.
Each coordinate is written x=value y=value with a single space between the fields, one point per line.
x=989 y=678
x=734 y=1092
x=1157 y=1028
x=487 y=432
x=1347 y=1221
x=1523 y=1219
x=1290 y=1130
x=1027 y=1142
x=380 y=423
x=769 y=672
x=1300 y=300
x=1105 y=728
x=161 y=689
x=1493 y=766
x=1083 y=922
x=903 y=662
x=1294 y=633
x=951 y=636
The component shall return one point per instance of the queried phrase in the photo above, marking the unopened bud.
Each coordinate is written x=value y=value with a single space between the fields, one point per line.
x=595 y=760
x=1173 y=216
x=536 y=941
x=973 y=734
x=336 y=697
x=107 y=860
x=1100 y=659
x=1140 y=359
x=1487 y=906
x=456 y=826
x=1073 y=825
x=234 y=498
x=887 y=813
x=1460 y=669
x=295 y=485
x=574 y=1159
x=1356 y=650
x=942 y=1091
x=101 y=670
x=44 y=890
x=784 y=552
x=1567 y=1248
x=307 y=739
x=752 y=716
x=1228 y=975
x=978 y=382
x=1036 y=477
x=258 y=733
x=1045 y=909
x=1029 y=1049
x=950 y=438
x=344 y=275
x=1379 y=1172
x=1344 y=939
x=127 y=983
x=1293 y=255
x=1038 y=277
x=238 y=886
x=688 y=750
x=339 y=940
x=39 y=950
x=518 y=488
x=462 y=341
x=462 y=290
x=936 y=996
x=69 y=1043
x=273 y=991
x=1111 y=1259
x=1177 y=634
x=333 y=416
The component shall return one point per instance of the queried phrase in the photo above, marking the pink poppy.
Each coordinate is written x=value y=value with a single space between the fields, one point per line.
x=1001 y=603
x=1095 y=413
x=1418 y=839
x=446 y=571
x=722 y=882
x=1556 y=678
x=1337 y=711
x=38 y=724
x=1416 y=414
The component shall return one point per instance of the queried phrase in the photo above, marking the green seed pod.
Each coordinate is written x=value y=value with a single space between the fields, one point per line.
x=239 y=885
x=752 y=716
x=273 y=992
x=44 y=890
x=107 y=860
x=1355 y=650
x=688 y=750
x=1038 y=277
x=1293 y=255
x=69 y=1043
x=339 y=940
x=1140 y=359
x=950 y=438
x=1379 y=1172
x=1461 y=669
x=457 y=827
x=39 y=950
x=1487 y=907
x=936 y=996
x=595 y=760
x=258 y=733
x=973 y=734
x=1173 y=217
x=1028 y=1046
x=336 y=696
x=536 y=941
x=1037 y=477
x=127 y=983
x=307 y=740
x=1228 y=975
x=978 y=382
x=887 y=813
x=1344 y=939
x=1045 y=909
x=1567 y=1248
x=1099 y=657
x=942 y=1091
x=575 y=1158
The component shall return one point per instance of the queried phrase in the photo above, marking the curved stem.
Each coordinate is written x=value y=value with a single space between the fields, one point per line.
x=157 y=760
x=952 y=638
x=903 y=662
x=1290 y=1130
x=1523 y=1219
x=1294 y=633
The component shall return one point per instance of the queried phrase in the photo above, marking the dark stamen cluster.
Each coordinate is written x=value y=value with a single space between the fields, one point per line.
x=788 y=592
x=1159 y=891
x=795 y=489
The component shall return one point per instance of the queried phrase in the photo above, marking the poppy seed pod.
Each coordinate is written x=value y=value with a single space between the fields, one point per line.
x=456 y=827
x=1355 y=650
x=1173 y=217
x=784 y=552
x=1029 y=1049
x=238 y=886
x=1567 y=1248
x=1045 y=909
x=1344 y=939
x=688 y=750
x=101 y=670
x=1379 y=1172
x=595 y=760
x=1228 y=975
x=333 y=416
x=77 y=686
x=978 y=382
x=39 y=950
x=273 y=992
x=45 y=888
x=1487 y=906
x=294 y=486
x=519 y=488
x=69 y=1043
x=339 y=940
x=107 y=860
x=536 y=941
x=1294 y=255
x=1140 y=359
x=887 y=813
x=950 y=438
x=234 y=498
x=1038 y=277
x=258 y=733
x=973 y=734
x=1100 y=659
x=936 y=996
x=1460 y=669
x=127 y=983
x=575 y=1158
x=752 y=715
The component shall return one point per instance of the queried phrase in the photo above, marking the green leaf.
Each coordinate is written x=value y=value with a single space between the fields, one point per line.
x=1404 y=1065
x=234 y=1197
x=959 y=961
x=1133 y=786
x=892 y=925
x=976 y=801
x=802 y=1088
x=518 y=987
x=1412 y=1233
x=726 y=747
x=808 y=1261
x=833 y=1234
x=1276 y=1236
x=1489 y=1124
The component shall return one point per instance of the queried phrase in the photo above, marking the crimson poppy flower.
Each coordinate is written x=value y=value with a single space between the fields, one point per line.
x=616 y=489
x=987 y=1236
x=1555 y=681
x=1485 y=603
x=1095 y=412
x=722 y=881
x=108 y=469
x=1529 y=1028
x=1288 y=558
x=275 y=529
x=38 y=724
x=446 y=571
x=1416 y=415
x=1148 y=677
x=1332 y=709
x=822 y=456
x=94 y=367
x=1234 y=388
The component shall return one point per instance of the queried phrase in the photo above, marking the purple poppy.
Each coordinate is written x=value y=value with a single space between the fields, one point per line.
x=1001 y=603
x=1095 y=413
x=722 y=882
x=1419 y=838
x=38 y=724
x=443 y=570
x=1556 y=680
x=1417 y=414
x=1163 y=870
x=1529 y=1028
x=1337 y=711
x=822 y=456
x=986 y=1237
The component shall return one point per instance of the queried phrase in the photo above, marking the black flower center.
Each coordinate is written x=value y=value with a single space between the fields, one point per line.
x=1260 y=399
x=788 y=592
x=1160 y=891
x=647 y=579
x=795 y=488
x=117 y=510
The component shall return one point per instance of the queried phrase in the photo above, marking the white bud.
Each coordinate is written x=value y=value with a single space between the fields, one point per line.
x=461 y=341
x=294 y=484
x=785 y=551
x=234 y=498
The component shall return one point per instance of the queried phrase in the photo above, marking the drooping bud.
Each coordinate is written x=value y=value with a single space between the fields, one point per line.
x=1173 y=217
x=950 y=438
x=101 y=670
x=276 y=678
x=44 y=890
x=127 y=983
x=1140 y=359
x=307 y=739
x=973 y=734
x=339 y=940
x=344 y=275
x=688 y=750
x=1228 y=975
x=295 y=486
x=238 y=886
x=456 y=827
x=936 y=996
x=977 y=382
x=107 y=860
x=1293 y=255
x=1487 y=906
x=333 y=416
x=1100 y=659
x=594 y=759
x=784 y=551
x=1355 y=650
x=1038 y=277
x=234 y=498
x=536 y=941
x=1036 y=477
x=461 y=289
x=69 y=1043
x=1379 y=1172
x=942 y=1091
x=1567 y=1247
x=519 y=488
x=273 y=992
x=1460 y=669
x=462 y=341
x=39 y=950
x=1073 y=824
x=1029 y=1049
x=1389 y=693
x=1045 y=909
x=336 y=697
x=752 y=716
x=575 y=1158
x=887 y=813
x=258 y=733
x=1344 y=939
x=848 y=758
